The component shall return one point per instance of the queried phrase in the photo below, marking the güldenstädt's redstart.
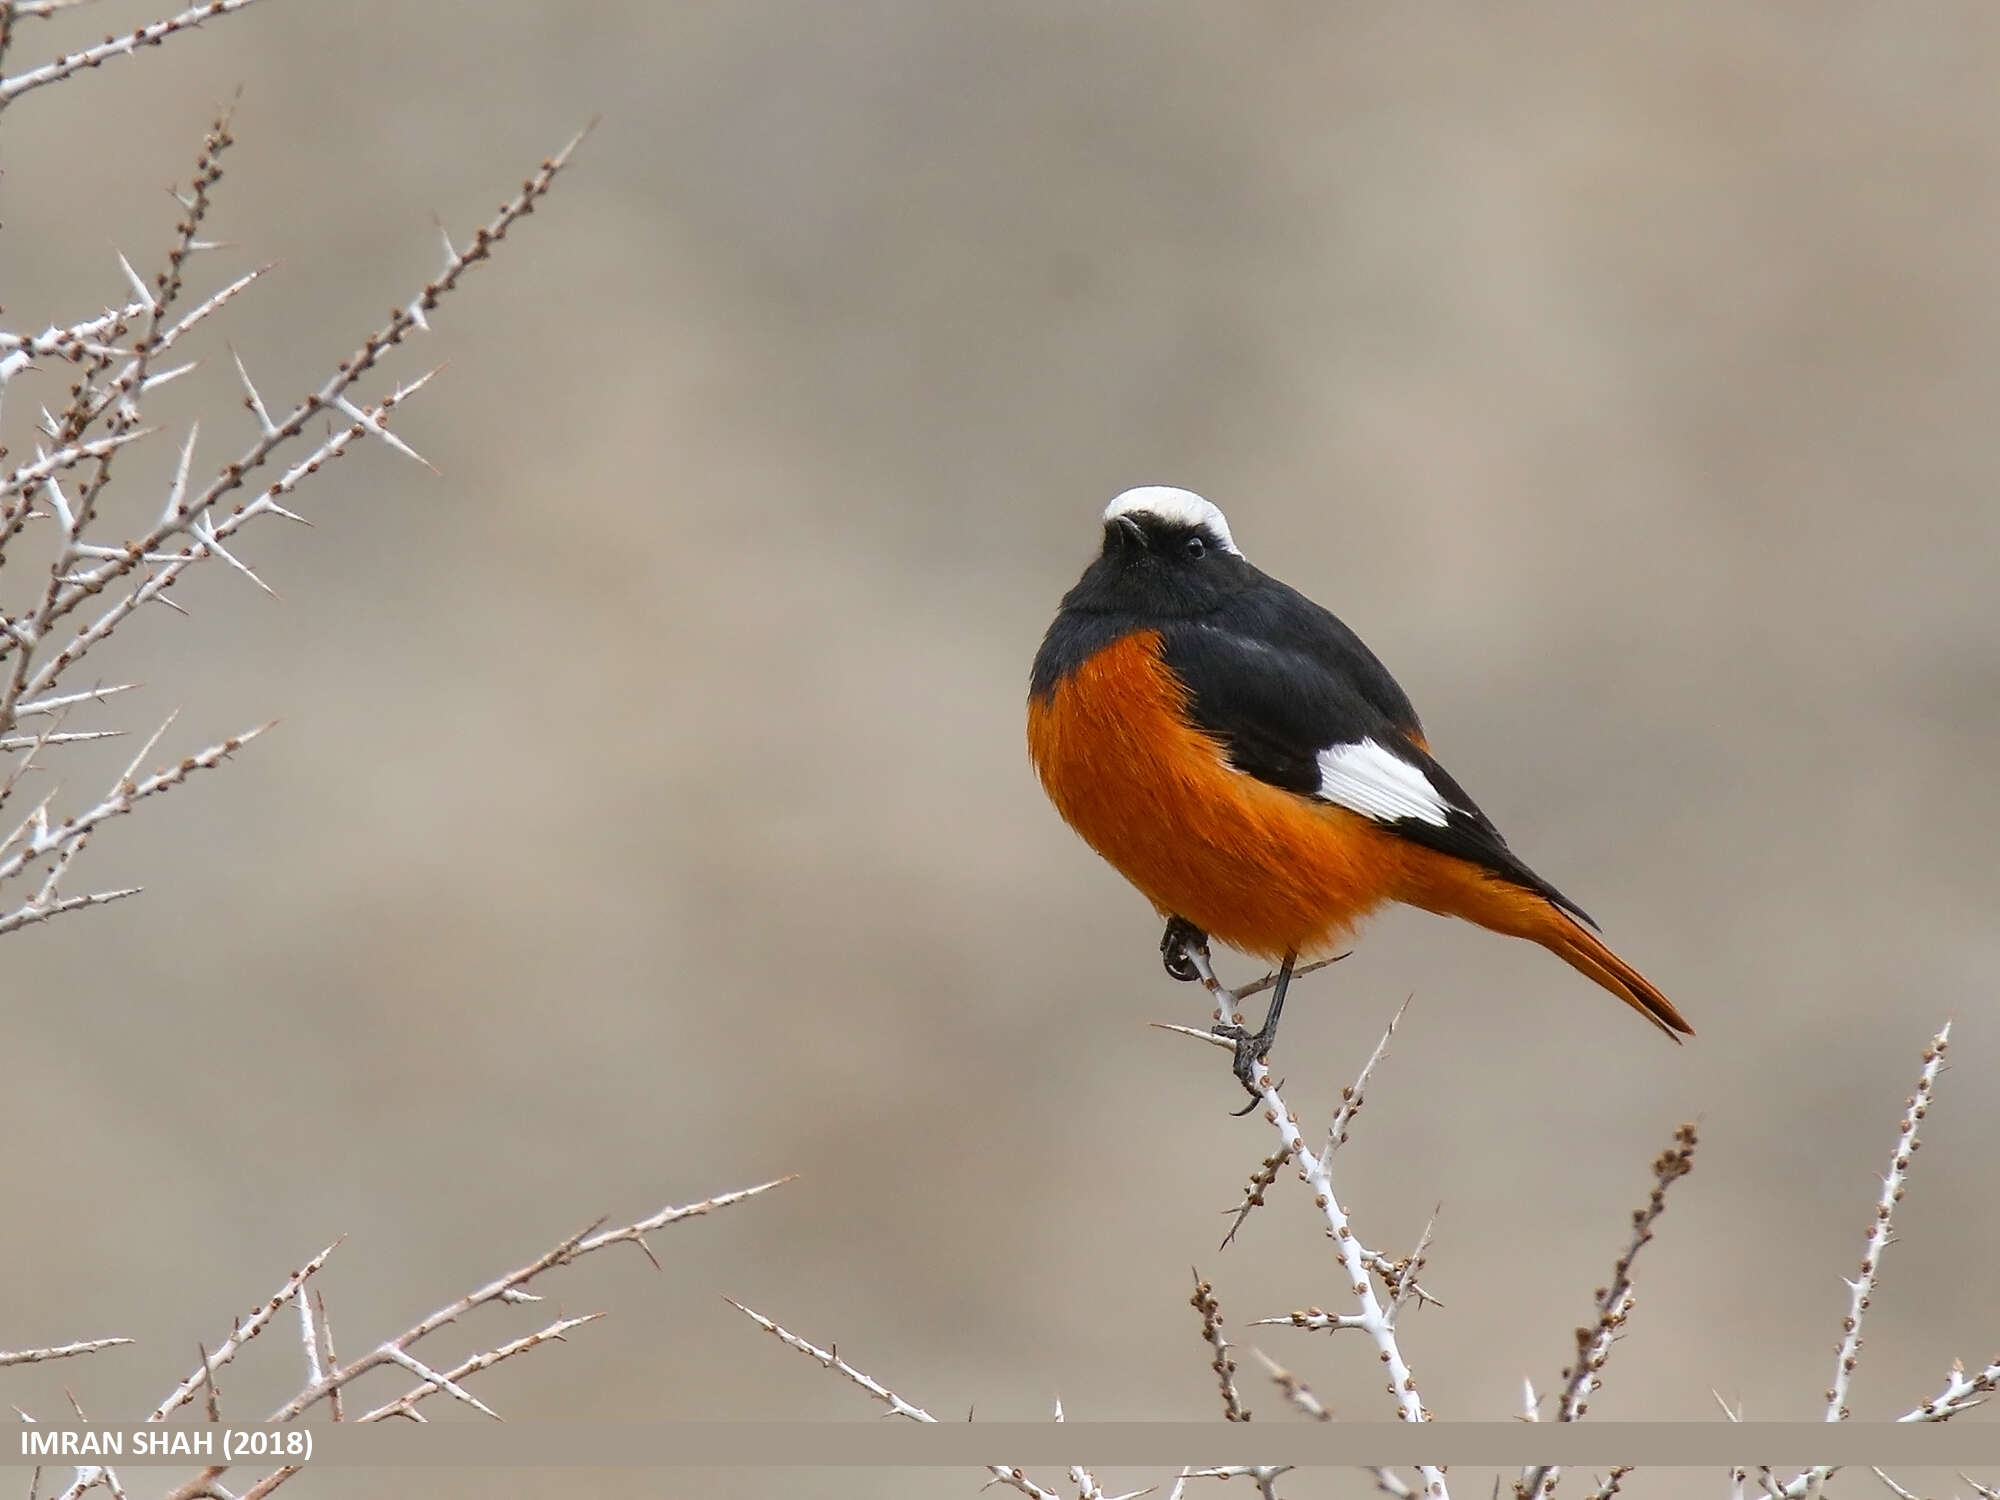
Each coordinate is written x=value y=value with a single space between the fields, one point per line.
x=1236 y=752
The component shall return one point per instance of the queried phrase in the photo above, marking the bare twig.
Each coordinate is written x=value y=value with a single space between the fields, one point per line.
x=1253 y=1195
x=405 y=1405
x=1614 y=1303
x=409 y=318
x=245 y=1330
x=211 y=1391
x=1371 y=1315
x=1614 y=1306
x=1295 y=1390
x=117 y=46
x=1962 y=1392
x=56 y=1351
x=1005 y=1474
x=326 y=1331
x=1351 y=1098
x=1204 y=1302
x=507 y=1288
x=1862 y=1287
x=115 y=360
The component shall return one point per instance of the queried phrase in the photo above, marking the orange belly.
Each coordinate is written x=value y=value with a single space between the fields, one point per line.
x=1253 y=865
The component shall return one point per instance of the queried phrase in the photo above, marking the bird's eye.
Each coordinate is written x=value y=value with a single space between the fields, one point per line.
x=1196 y=547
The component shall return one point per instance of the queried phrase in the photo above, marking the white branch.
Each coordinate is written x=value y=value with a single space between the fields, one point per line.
x=1614 y=1306
x=1961 y=1392
x=62 y=839
x=405 y=1405
x=436 y=1380
x=333 y=392
x=1862 y=1287
x=504 y=1289
x=1002 y=1473
x=56 y=1351
x=245 y=1330
x=1373 y=1317
x=119 y=46
x=23 y=480
x=309 y=1335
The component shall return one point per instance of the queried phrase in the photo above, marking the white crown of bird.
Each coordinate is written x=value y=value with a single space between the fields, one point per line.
x=1182 y=507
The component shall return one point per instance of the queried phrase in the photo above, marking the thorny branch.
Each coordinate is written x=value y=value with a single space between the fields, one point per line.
x=1614 y=1306
x=1961 y=1391
x=1847 y=1354
x=327 y=1379
x=1204 y=1302
x=114 y=362
x=1359 y=1265
x=507 y=1288
x=92 y=57
x=1006 y=1474
x=56 y=1351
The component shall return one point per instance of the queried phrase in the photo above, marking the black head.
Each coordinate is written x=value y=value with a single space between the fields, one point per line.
x=1167 y=555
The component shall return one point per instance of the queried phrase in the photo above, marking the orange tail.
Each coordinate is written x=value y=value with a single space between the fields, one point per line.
x=1456 y=888
x=1582 y=949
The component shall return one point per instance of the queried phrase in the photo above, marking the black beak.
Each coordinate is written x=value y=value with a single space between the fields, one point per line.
x=1123 y=531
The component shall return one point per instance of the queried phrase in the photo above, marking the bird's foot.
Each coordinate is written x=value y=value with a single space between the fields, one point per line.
x=1178 y=943
x=1252 y=1047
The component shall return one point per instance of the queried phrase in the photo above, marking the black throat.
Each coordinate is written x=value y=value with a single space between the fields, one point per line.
x=1073 y=638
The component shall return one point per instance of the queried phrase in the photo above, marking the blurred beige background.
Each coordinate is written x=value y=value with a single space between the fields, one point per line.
x=649 y=813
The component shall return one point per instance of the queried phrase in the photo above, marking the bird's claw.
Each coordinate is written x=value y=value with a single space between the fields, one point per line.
x=1252 y=1047
x=1178 y=944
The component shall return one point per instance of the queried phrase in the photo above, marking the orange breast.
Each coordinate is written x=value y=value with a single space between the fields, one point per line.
x=1255 y=866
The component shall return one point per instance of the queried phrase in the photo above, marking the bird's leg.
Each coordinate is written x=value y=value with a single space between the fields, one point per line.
x=1251 y=1050
x=1181 y=938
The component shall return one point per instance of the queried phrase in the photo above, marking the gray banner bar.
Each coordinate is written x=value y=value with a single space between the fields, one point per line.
x=1788 y=1445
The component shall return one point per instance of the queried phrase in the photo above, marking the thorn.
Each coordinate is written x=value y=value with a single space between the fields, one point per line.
x=162 y=377
x=178 y=489
x=142 y=293
x=203 y=530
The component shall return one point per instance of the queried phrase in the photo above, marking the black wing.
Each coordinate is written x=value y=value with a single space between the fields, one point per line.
x=1276 y=613
x=1274 y=708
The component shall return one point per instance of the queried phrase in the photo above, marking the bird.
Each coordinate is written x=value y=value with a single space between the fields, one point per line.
x=1239 y=755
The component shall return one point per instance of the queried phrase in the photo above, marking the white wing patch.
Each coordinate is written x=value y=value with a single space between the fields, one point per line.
x=1183 y=507
x=1365 y=778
